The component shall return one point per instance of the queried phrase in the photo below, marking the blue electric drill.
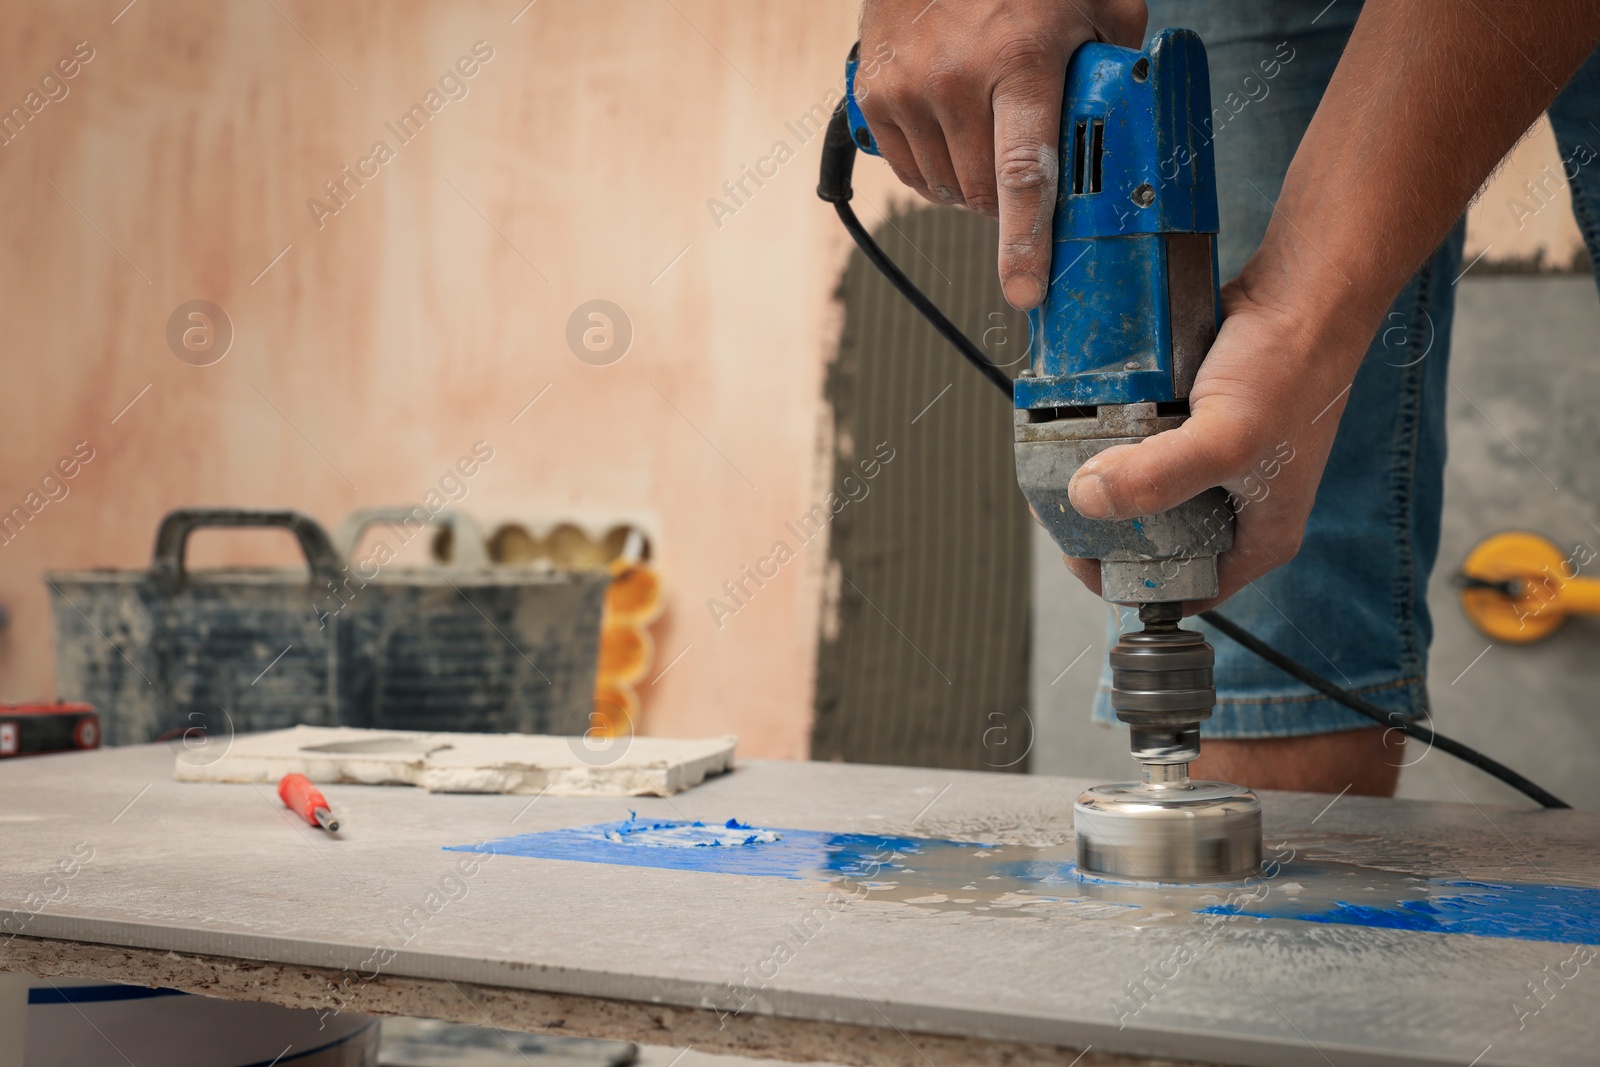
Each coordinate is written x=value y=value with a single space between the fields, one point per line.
x=1130 y=312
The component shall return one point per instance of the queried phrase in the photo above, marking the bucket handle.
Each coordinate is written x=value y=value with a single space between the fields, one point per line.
x=467 y=539
x=166 y=566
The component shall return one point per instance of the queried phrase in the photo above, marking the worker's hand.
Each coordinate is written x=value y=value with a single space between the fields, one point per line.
x=1266 y=405
x=969 y=111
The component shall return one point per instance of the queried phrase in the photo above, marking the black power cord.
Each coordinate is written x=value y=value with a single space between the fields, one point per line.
x=1392 y=719
x=919 y=300
x=838 y=162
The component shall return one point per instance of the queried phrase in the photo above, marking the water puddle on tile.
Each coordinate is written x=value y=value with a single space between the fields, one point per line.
x=1302 y=886
x=936 y=875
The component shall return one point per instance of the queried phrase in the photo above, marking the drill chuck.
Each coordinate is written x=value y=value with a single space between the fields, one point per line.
x=1162 y=685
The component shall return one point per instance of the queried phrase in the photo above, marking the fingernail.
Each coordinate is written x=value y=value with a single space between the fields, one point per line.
x=1022 y=291
x=1088 y=495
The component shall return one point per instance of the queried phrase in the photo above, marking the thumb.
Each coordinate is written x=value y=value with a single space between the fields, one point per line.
x=1162 y=471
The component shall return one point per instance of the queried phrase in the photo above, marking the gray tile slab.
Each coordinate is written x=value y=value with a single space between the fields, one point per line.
x=222 y=870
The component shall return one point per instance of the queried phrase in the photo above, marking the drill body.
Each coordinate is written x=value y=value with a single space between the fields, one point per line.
x=1129 y=314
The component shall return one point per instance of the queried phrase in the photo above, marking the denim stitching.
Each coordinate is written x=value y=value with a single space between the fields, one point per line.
x=1311 y=698
x=1407 y=436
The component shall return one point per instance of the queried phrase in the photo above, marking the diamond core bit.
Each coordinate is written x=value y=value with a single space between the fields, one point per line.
x=1194 y=832
x=1166 y=828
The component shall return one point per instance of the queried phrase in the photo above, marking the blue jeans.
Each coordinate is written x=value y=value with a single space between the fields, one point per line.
x=1352 y=605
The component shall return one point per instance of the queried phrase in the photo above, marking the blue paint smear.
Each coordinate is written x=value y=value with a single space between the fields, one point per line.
x=1302 y=891
x=1569 y=914
x=740 y=849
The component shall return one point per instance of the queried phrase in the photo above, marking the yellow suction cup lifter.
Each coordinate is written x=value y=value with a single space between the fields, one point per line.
x=1519 y=587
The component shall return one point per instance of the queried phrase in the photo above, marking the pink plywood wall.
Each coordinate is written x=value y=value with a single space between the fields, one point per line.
x=577 y=162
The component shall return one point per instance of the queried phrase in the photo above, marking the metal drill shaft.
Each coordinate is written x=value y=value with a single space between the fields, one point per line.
x=1167 y=775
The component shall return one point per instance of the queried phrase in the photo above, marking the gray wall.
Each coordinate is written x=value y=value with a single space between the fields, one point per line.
x=1524 y=429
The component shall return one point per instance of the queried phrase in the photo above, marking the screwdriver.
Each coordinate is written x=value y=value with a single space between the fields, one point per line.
x=303 y=798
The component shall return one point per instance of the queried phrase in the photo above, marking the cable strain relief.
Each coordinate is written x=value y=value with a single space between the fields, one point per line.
x=838 y=158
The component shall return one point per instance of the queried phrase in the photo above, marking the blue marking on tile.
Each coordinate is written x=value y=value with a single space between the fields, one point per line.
x=1360 y=896
x=729 y=848
x=1525 y=912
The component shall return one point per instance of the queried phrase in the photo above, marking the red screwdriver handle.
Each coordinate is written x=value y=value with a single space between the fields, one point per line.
x=305 y=800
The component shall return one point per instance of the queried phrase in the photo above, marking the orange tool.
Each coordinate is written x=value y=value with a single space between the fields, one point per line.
x=305 y=800
x=1519 y=587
